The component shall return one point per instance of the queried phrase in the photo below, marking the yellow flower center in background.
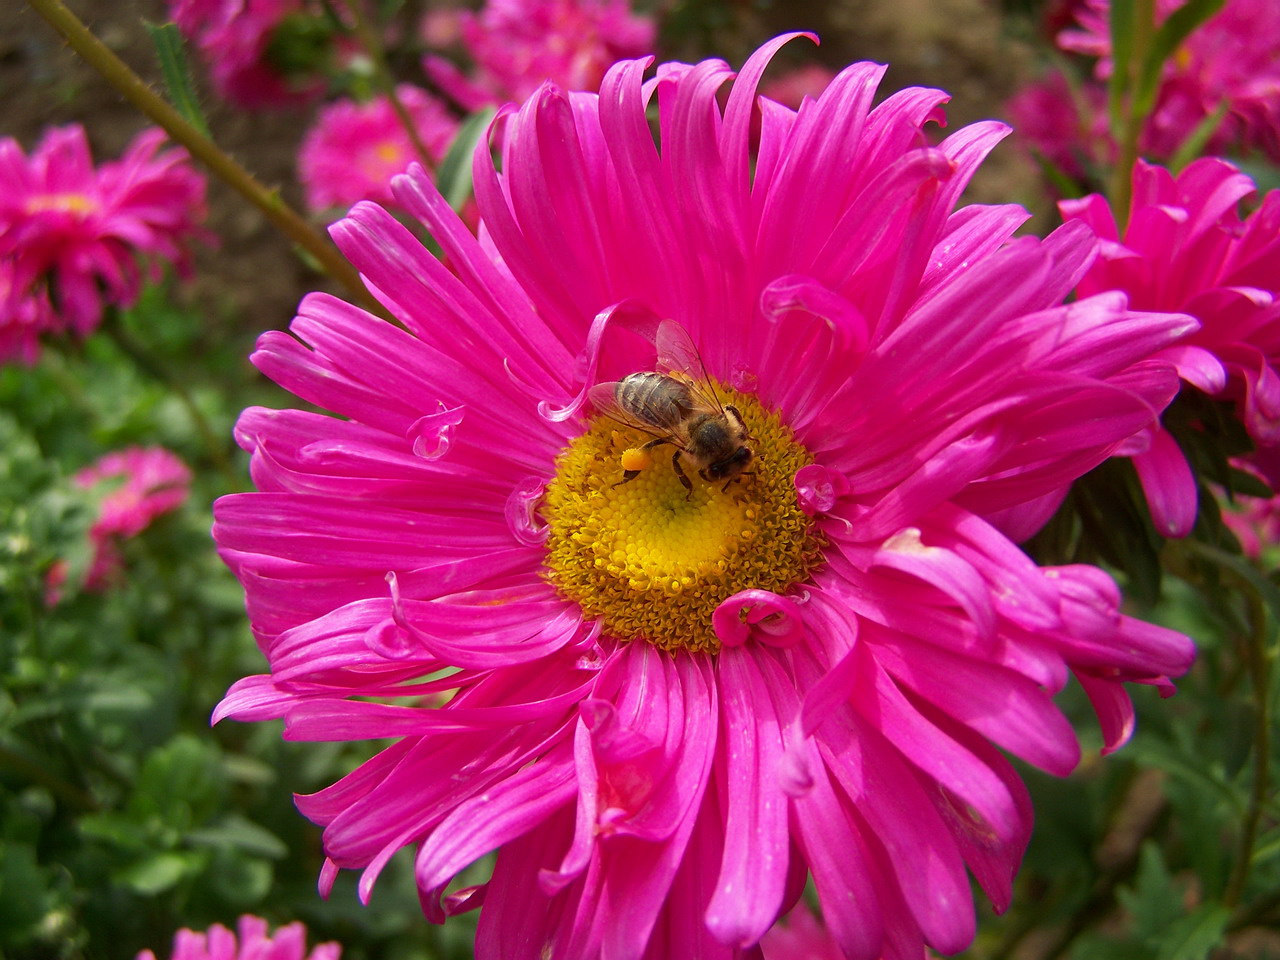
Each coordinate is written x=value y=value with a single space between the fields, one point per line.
x=651 y=561
x=61 y=202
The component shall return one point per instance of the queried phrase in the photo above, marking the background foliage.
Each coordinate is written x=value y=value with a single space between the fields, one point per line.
x=123 y=816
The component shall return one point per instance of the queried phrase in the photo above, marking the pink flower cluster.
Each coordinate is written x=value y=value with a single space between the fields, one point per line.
x=251 y=941
x=1187 y=249
x=1231 y=61
x=136 y=484
x=354 y=149
x=517 y=44
x=647 y=801
x=71 y=236
x=234 y=39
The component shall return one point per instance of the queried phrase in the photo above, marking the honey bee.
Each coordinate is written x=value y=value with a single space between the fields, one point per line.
x=680 y=408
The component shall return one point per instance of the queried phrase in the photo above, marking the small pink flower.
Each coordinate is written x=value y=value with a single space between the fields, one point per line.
x=1233 y=59
x=140 y=484
x=1256 y=523
x=1187 y=250
x=354 y=149
x=1067 y=127
x=251 y=941
x=72 y=237
x=801 y=936
x=518 y=44
x=234 y=39
x=667 y=706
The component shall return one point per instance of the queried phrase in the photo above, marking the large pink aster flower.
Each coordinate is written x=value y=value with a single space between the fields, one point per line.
x=1233 y=59
x=354 y=149
x=137 y=484
x=255 y=942
x=1187 y=249
x=664 y=708
x=519 y=44
x=234 y=39
x=71 y=237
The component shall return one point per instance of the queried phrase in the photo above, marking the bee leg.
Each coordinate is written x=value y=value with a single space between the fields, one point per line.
x=688 y=484
x=632 y=474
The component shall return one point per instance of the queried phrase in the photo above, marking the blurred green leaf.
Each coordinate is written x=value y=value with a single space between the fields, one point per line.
x=176 y=73
x=453 y=177
x=1168 y=37
x=1193 y=936
x=158 y=873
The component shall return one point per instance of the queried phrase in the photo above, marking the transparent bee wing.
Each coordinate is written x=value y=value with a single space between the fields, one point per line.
x=677 y=353
x=604 y=399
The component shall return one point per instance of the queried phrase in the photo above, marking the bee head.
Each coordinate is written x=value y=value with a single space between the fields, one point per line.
x=730 y=466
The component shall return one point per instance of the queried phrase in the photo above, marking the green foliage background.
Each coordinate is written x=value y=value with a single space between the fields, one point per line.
x=124 y=816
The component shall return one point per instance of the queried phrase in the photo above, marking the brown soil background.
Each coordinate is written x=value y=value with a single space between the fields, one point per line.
x=253 y=280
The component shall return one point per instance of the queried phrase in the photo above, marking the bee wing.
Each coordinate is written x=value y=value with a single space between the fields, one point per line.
x=679 y=354
x=603 y=397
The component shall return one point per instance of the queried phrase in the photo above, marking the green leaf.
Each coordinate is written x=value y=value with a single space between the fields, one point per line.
x=1168 y=38
x=453 y=176
x=1153 y=902
x=157 y=874
x=177 y=73
x=1192 y=937
x=236 y=831
x=1121 y=28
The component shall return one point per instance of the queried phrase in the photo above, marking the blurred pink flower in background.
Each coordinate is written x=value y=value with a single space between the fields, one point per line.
x=1233 y=59
x=136 y=484
x=800 y=936
x=791 y=87
x=1187 y=249
x=354 y=149
x=517 y=44
x=252 y=940
x=72 y=237
x=1255 y=521
x=660 y=731
x=234 y=38
x=1067 y=127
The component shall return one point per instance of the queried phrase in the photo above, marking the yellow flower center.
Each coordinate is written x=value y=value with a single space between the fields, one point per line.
x=651 y=560
x=61 y=202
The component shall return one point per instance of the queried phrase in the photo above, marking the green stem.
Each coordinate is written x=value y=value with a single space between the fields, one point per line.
x=40 y=773
x=368 y=38
x=116 y=72
x=1144 y=21
x=1259 y=664
x=148 y=365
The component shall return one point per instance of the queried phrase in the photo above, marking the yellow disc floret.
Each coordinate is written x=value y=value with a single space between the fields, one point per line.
x=653 y=561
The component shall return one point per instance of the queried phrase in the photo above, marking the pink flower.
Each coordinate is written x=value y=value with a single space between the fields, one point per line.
x=518 y=44
x=1187 y=249
x=801 y=937
x=234 y=38
x=1256 y=523
x=1067 y=127
x=790 y=88
x=354 y=149
x=667 y=706
x=254 y=943
x=137 y=484
x=71 y=237
x=1233 y=59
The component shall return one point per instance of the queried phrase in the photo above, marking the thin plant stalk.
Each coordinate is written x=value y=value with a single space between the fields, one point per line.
x=368 y=38
x=287 y=220
x=1258 y=663
x=1144 y=20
